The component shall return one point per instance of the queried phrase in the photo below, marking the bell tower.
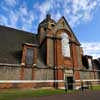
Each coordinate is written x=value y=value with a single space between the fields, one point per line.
x=46 y=31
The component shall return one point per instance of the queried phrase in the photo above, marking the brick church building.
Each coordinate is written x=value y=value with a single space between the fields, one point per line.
x=49 y=58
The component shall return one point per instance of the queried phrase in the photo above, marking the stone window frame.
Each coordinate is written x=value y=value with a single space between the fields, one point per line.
x=24 y=51
x=68 y=45
x=29 y=61
x=58 y=34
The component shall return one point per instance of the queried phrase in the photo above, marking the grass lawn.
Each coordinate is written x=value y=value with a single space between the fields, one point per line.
x=96 y=87
x=13 y=94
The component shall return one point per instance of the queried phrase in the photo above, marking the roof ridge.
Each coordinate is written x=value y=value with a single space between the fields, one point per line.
x=17 y=29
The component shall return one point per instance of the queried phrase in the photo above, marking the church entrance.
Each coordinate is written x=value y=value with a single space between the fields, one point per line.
x=69 y=79
x=70 y=83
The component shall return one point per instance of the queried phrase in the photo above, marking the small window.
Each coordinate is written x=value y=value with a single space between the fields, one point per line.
x=45 y=29
x=52 y=25
x=29 y=56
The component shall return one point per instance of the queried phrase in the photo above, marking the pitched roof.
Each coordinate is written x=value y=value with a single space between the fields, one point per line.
x=11 y=41
x=69 y=28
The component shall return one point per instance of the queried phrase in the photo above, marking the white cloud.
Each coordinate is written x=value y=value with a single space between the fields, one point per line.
x=57 y=16
x=43 y=8
x=10 y=2
x=27 y=17
x=20 y=15
x=75 y=11
x=13 y=17
x=83 y=8
x=23 y=10
x=3 y=20
x=92 y=48
x=31 y=18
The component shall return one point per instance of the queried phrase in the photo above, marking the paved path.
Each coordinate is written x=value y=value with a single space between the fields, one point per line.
x=87 y=95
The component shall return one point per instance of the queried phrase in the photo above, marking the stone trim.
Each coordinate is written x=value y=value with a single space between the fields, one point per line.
x=33 y=45
x=10 y=65
x=53 y=36
x=29 y=81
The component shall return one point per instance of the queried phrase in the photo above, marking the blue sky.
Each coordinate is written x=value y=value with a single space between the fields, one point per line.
x=82 y=15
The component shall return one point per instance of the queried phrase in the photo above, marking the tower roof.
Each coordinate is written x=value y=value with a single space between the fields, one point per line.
x=47 y=20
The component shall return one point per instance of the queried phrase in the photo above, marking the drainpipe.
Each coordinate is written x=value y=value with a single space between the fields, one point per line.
x=72 y=60
x=55 y=68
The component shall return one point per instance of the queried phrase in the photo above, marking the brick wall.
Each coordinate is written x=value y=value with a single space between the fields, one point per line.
x=9 y=73
x=25 y=85
x=14 y=74
x=43 y=74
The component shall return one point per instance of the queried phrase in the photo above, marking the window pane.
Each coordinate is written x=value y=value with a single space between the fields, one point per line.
x=29 y=56
x=65 y=45
x=90 y=64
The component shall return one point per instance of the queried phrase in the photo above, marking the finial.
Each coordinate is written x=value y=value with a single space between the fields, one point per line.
x=48 y=16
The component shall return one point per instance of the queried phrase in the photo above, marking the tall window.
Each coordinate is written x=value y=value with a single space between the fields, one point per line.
x=29 y=56
x=90 y=63
x=65 y=45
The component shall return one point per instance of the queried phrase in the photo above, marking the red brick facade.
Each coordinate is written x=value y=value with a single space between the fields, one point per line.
x=53 y=34
x=48 y=58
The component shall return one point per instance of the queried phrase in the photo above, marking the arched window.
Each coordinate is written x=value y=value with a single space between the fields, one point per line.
x=65 y=45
